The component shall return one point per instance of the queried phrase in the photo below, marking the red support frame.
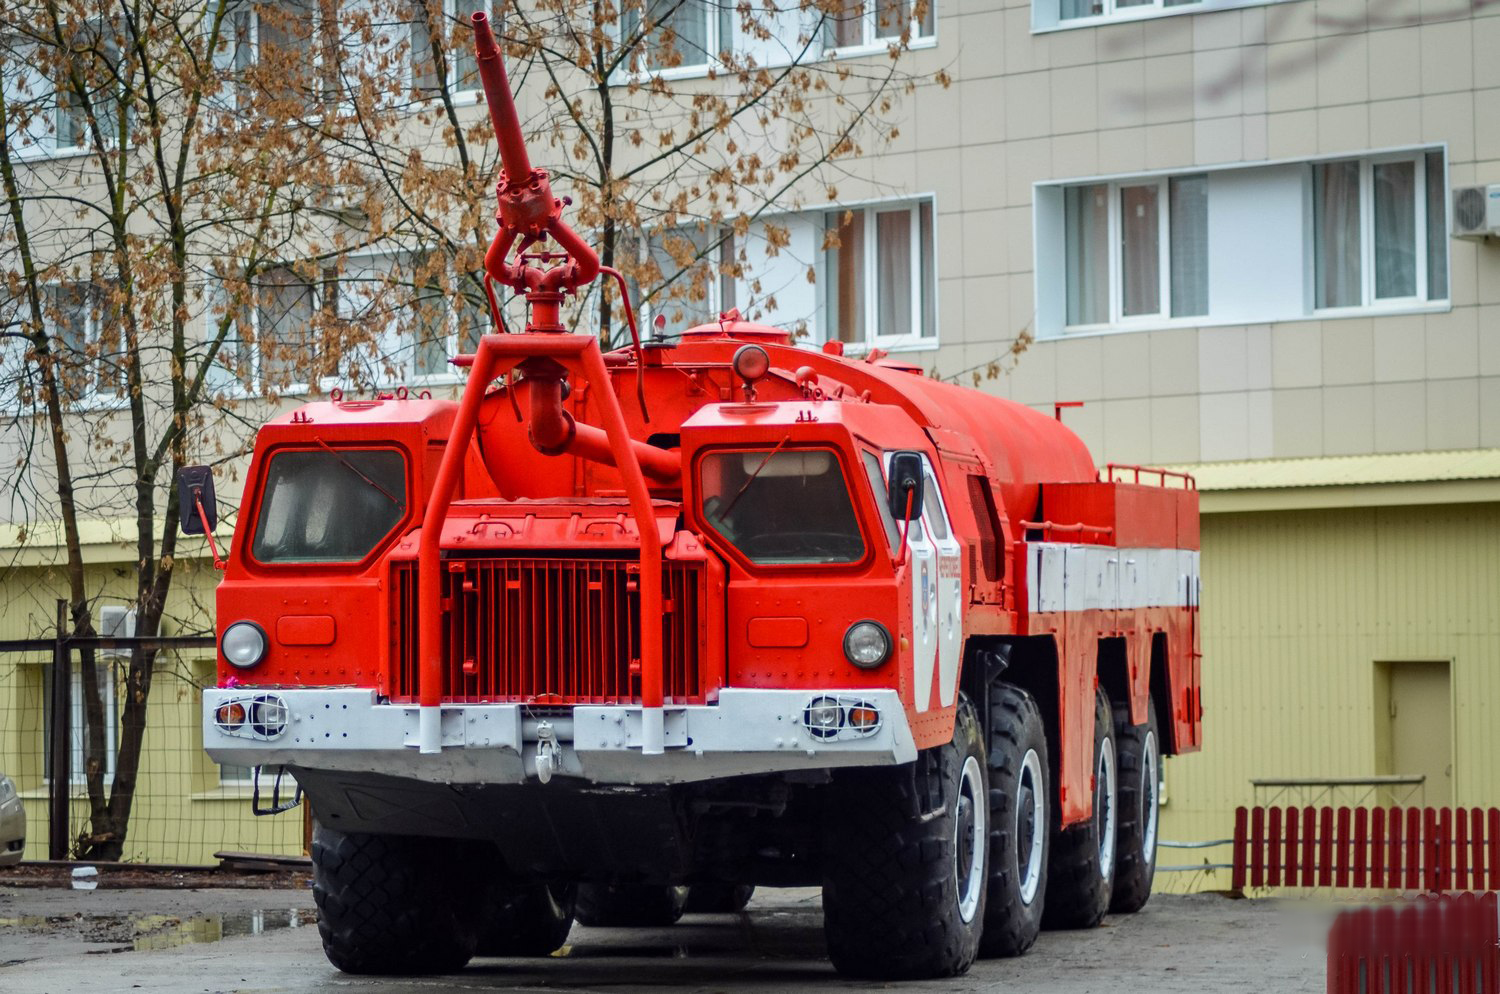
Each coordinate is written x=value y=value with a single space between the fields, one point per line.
x=496 y=356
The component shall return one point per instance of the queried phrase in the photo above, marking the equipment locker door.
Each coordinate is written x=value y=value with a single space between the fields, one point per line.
x=937 y=610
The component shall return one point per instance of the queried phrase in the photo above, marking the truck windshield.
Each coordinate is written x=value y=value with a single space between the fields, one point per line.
x=782 y=508
x=332 y=506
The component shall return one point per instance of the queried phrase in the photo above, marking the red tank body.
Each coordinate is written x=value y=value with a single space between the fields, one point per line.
x=715 y=591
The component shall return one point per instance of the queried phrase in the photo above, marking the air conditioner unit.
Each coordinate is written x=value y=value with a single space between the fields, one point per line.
x=116 y=621
x=1476 y=211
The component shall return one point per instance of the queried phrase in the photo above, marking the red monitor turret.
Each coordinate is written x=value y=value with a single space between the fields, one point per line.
x=528 y=210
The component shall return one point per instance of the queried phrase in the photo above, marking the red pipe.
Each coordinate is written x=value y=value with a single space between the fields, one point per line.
x=429 y=567
x=503 y=116
x=554 y=431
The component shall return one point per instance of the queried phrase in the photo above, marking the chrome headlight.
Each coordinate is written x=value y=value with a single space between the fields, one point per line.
x=867 y=644
x=244 y=644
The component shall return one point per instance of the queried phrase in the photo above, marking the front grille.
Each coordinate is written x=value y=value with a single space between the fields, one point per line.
x=551 y=631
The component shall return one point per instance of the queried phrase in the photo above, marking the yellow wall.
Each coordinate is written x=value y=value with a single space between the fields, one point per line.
x=182 y=813
x=1298 y=609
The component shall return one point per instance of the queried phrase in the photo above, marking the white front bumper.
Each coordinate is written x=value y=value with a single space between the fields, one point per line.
x=747 y=731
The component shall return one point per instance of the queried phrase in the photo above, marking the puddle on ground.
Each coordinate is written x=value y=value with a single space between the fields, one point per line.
x=165 y=932
x=126 y=933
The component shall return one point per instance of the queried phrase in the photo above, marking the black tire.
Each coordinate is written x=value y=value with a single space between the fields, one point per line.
x=524 y=919
x=718 y=898
x=905 y=863
x=1080 y=874
x=388 y=904
x=1020 y=788
x=1139 y=753
x=629 y=905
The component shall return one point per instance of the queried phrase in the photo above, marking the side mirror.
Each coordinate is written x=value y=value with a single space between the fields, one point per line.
x=905 y=478
x=194 y=484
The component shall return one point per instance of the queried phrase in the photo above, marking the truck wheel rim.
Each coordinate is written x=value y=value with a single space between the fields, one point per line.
x=969 y=839
x=1148 y=798
x=1104 y=807
x=1031 y=826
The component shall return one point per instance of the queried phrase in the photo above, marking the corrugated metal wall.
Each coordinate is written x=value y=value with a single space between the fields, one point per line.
x=1299 y=606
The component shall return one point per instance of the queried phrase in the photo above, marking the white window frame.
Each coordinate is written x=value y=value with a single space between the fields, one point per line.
x=228 y=381
x=400 y=347
x=1046 y=15
x=817 y=52
x=1049 y=229
x=714 y=302
x=1115 y=257
x=253 y=42
x=1369 y=302
x=713 y=43
x=459 y=94
x=78 y=723
x=45 y=102
x=872 y=337
x=91 y=398
x=873 y=41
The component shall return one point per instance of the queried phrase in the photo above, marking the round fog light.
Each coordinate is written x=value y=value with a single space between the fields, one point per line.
x=823 y=717
x=867 y=644
x=243 y=644
x=230 y=716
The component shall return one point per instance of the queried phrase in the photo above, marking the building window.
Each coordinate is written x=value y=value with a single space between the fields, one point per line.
x=290 y=48
x=862 y=23
x=1244 y=244
x=690 y=275
x=447 y=23
x=275 y=338
x=79 y=733
x=1052 y=14
x=1135 y=246
x=1379 y=231
x=85 y=330
x=679 y=34
x=687 y=37
x=879 y=274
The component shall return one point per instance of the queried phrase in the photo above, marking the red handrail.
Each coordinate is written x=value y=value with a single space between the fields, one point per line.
x=1162 y=475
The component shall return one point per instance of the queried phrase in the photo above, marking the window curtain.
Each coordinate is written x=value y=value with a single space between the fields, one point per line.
x=1187 y=204
x=929 y=271
x=285 y=323
x=463 y=63
x=1437 y=228
x=1395 y=189
x=844 y=267
x=846 y=26
x=1336 y=234
x=1086 y=234
x=1068 y=9
x=893 y=286
x=1140 y=250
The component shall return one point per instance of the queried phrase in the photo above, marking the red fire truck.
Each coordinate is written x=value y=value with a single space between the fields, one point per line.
x=619 y=634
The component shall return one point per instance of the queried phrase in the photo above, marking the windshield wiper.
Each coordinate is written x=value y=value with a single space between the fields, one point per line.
x=746 y=485
x=355 y=470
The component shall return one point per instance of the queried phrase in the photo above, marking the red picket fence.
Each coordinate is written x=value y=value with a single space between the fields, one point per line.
x=1426 y=849
x=1432 y=945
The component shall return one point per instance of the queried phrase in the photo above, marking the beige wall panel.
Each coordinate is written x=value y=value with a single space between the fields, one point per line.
x=1298 y=609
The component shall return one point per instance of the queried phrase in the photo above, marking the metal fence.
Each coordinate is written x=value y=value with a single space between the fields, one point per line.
x=62 y=727
x=1432 y=945
x=1428 y=849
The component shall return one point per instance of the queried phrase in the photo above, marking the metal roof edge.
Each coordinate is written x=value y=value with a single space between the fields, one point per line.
x=1345 y=471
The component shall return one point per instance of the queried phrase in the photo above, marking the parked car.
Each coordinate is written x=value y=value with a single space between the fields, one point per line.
x=12 y=823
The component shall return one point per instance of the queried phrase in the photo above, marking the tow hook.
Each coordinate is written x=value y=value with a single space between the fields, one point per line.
x=548 y=752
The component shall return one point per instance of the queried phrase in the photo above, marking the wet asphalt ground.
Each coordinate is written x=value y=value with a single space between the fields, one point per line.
x=54 y=941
